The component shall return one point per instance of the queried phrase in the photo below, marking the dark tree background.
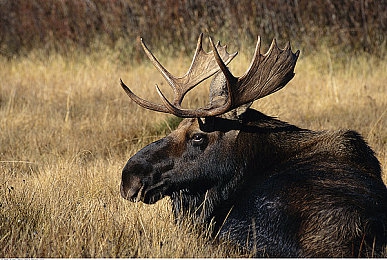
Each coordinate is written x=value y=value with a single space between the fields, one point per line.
x=65 y=25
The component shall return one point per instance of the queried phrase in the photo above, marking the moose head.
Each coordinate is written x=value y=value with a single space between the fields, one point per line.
x=188 y=158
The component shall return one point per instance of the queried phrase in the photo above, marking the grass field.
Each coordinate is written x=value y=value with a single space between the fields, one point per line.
x=67 y=129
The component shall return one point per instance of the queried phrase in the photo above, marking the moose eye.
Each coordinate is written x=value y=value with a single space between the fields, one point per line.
x=198 y=139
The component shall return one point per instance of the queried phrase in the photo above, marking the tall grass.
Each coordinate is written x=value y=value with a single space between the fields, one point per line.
x=67 y=130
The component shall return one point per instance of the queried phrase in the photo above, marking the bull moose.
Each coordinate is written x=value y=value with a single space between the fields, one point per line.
x=269 y=186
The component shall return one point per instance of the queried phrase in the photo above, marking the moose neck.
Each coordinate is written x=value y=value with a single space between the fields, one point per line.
x=264 y=142
x=260 y=143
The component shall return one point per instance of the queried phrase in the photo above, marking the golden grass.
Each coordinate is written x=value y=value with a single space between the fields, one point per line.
x=67 y=130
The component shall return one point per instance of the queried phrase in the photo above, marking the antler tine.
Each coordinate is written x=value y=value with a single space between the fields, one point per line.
x=202 y=67
x=178 y=89
x=167 y=76
x=142 y=102
x=266 y=74
x=205 y=112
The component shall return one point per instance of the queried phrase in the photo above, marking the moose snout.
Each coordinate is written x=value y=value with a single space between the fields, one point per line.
x=131 y=192
x=133 y=180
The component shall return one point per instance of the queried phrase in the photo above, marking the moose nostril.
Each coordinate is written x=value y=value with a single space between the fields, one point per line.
x=123 y=191
x=133 y=175
x=136 y=175
x=132 y=189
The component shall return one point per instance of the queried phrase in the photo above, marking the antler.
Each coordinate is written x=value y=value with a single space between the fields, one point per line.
x=202 y=67
x=267 y=74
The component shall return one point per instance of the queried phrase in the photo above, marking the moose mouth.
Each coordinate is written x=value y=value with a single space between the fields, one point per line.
x=137 y=197
x=149 y=195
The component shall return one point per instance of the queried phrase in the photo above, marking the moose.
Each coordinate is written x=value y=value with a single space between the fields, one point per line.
x=270 y=187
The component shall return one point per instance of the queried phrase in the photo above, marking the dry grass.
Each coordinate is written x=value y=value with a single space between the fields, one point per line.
x=67 y=130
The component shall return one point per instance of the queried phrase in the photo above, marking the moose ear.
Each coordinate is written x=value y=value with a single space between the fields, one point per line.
x=209 y=124
x=237 y=112
x=206 y=124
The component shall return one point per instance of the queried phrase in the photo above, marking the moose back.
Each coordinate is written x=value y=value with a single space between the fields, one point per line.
x=269 y=186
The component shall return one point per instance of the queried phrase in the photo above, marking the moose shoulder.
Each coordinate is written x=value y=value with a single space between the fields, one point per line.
x=269 y=186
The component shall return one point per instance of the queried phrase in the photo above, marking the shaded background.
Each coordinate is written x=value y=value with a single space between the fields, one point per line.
x=66 y=25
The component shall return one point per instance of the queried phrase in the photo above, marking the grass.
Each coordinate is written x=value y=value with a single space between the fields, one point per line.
x=67 y=129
